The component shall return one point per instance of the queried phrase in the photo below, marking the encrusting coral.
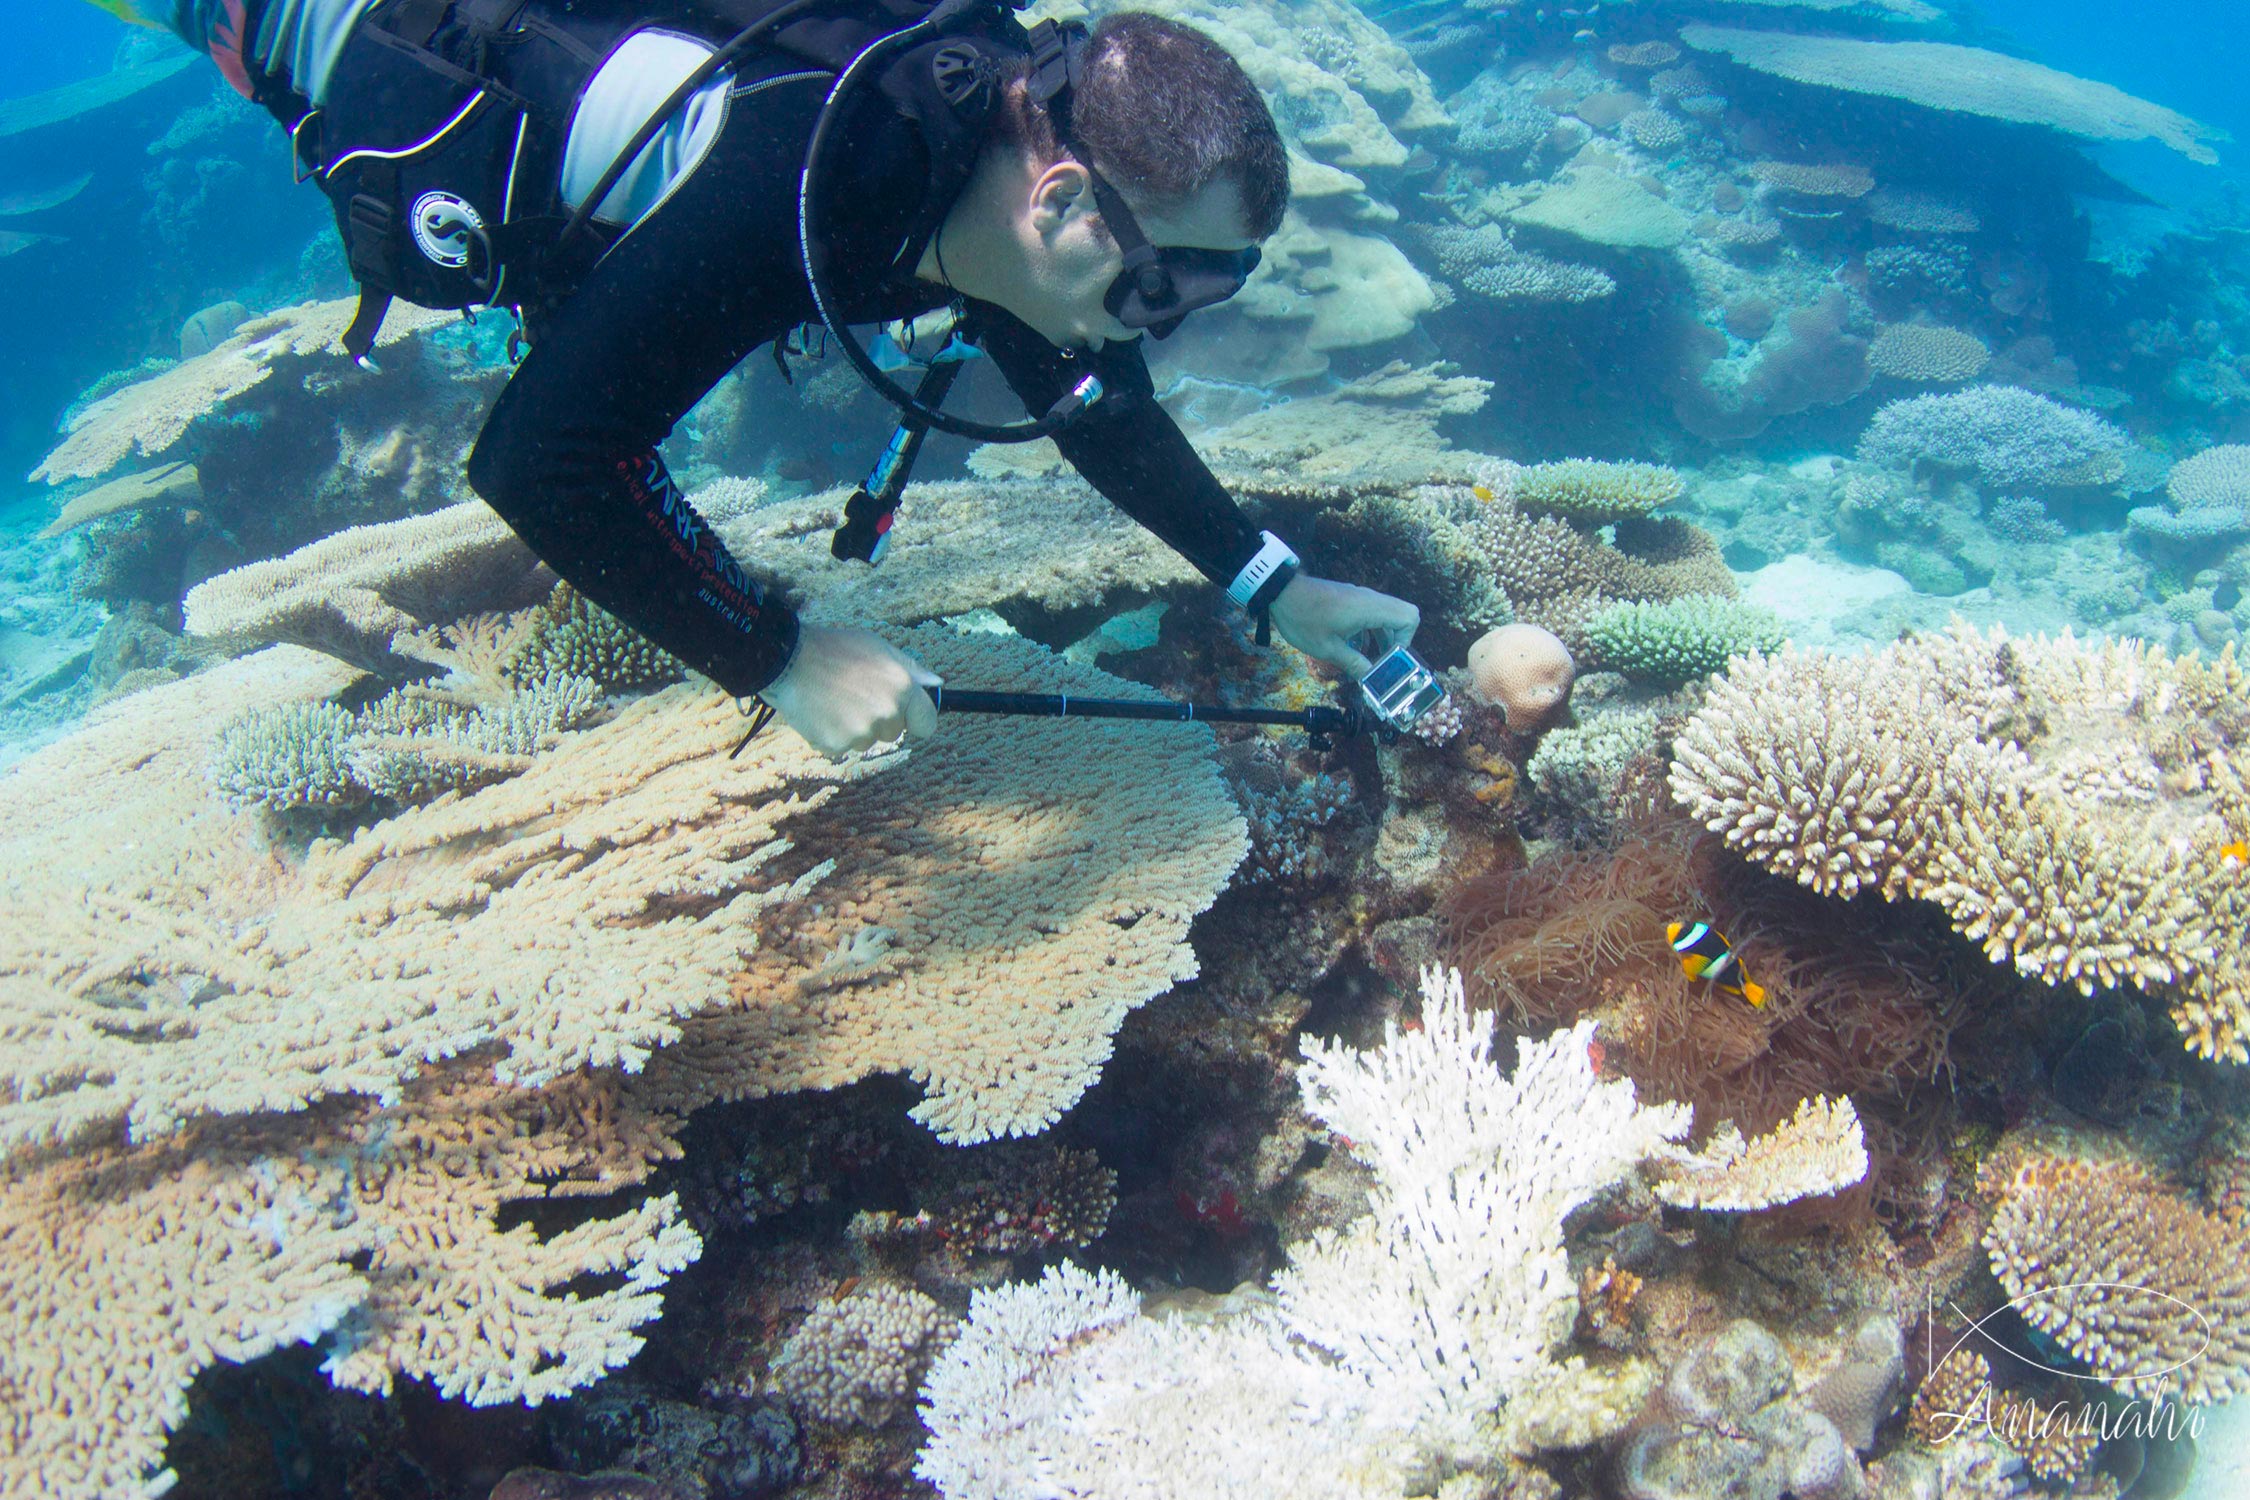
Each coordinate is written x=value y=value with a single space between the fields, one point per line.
x=2065 y=804
x=1421 y=1333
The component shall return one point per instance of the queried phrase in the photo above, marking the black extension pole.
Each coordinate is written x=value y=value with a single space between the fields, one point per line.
x=1322 y=721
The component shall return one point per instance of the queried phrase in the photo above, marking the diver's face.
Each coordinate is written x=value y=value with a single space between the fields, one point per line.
x=1070 y=263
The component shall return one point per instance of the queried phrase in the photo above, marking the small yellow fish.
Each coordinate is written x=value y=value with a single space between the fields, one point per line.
x=1705 y=955
x=1482 y=493
x=2235 y=855
x=124 y=11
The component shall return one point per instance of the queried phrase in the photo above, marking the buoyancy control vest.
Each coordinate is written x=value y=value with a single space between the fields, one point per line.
x=441 y=139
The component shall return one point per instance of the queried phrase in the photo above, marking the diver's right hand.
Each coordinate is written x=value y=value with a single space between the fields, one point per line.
x=848 y=688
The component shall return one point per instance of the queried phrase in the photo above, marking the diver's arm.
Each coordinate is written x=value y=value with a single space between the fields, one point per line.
x=1129 y=448
x=568 y=456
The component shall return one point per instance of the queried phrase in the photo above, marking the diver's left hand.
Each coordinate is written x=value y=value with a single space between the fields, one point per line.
x=1320 y=617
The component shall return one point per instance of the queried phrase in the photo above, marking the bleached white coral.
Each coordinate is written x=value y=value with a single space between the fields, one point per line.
x=1391 y=1344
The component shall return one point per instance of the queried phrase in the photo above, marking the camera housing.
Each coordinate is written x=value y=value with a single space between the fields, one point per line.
x=1400 y=688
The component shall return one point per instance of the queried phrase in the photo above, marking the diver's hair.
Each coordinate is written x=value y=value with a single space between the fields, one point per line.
x=1164 y=111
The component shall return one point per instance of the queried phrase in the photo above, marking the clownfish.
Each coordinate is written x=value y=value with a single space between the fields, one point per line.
x=2235 y=855
x=1705 y=955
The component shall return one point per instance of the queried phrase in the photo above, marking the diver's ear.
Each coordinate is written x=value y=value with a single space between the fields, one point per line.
x=1055 y=193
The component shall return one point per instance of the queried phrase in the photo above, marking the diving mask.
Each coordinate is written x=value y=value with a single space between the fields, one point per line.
x=1157 y=288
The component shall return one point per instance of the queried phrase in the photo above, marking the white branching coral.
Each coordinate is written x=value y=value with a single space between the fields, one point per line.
x=1418 y=1335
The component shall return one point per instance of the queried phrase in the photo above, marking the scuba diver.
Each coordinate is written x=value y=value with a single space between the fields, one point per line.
x=656 y=188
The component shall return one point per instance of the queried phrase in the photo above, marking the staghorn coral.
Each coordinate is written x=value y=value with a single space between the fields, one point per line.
x=2215 y=479
x=351 y=593
x=152 y=415
x=1929 y=771
x=1592 y=492
x=855 y=1357
x=1653 y=130
x=2023 y=519
x=288 y=757
x=575 y=637
x=1915 y=351
x=1555 y=575
x=1676 y=641
x=2150 y=1291
x=2010 y=439
x=1385 y=1344
x=1962 y=80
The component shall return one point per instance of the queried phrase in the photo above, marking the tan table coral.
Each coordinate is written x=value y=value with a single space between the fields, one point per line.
x=151 y=415
x=2068 y=805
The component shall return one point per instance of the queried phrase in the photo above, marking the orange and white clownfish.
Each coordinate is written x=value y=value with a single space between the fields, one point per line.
x=1705 y=955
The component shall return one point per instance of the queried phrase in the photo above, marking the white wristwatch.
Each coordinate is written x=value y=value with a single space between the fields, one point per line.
x=1271 y=558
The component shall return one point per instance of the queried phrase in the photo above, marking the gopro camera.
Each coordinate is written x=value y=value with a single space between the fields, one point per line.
x=1400 y=689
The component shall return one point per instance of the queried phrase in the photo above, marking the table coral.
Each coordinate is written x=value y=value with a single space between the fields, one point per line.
x=2011 y=439
x=1960 y=80
x=1929 y=770
x=1914 y=351
x=2214 y=479
x=150 y=416
x=1594 y=492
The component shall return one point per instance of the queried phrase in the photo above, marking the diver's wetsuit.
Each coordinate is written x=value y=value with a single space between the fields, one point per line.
x=568 y=454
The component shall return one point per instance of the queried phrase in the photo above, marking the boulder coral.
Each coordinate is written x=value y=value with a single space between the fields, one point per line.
x=1524 y=670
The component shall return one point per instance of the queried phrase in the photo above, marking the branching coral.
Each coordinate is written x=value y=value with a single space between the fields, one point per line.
x=858 y=1355
x=1487 y=262
x=1930 y=770
x=2147 y=1289
x=1591 y=492
x=2011 y=439
x=1556 y=575
x=2215 y=479
x=1680 y=640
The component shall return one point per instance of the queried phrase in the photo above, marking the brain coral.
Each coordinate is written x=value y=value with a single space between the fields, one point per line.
x=1917 y=351
x=2012 y=439
x=1964 y=80
x=2065 y=804
x=2215 y=479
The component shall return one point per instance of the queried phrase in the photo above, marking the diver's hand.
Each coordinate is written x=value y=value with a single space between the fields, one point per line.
x=848 y=688
x=1319 y=617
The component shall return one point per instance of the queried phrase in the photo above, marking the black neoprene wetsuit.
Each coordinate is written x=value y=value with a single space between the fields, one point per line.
x=568 y=454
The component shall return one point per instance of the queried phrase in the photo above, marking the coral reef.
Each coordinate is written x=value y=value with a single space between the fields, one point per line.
x=856 y=1357
x=1385 y=1345
x=1937 y=769
x=1965 y=80
x=2150 y=1291
x=1590 y=492
x=1524 y=671
x=2010 y=439
x=1677 y=641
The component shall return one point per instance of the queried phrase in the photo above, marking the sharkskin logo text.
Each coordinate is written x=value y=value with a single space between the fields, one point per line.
x=2098 y=1415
